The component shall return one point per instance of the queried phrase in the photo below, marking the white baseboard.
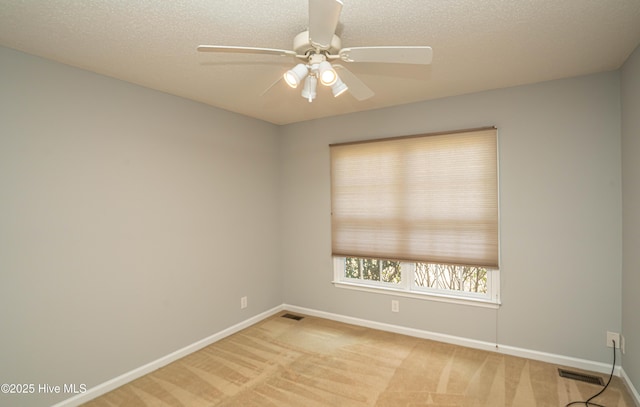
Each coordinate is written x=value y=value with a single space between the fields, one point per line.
x=632 y=389
x=456 y=340
x=116 y=382
x=475 y=344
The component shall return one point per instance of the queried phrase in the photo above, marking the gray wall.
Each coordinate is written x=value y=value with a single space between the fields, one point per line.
x=560 y=199
x=631 y=215
x=131 y=223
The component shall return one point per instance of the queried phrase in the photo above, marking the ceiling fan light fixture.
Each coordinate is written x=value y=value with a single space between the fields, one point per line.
x=321 y=50
x=339 y=87
x=326 y=73
x=309 y=90
x=295 y=75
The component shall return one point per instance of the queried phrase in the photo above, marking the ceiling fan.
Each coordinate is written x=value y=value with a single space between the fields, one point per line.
x=318 y=46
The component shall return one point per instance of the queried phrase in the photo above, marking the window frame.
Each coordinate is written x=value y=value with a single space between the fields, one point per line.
x=407 y=288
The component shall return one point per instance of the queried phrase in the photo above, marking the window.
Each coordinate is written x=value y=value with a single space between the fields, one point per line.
x=445 y=282
x=418 y=215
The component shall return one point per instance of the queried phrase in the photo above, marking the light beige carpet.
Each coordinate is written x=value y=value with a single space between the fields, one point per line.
x=315 y=362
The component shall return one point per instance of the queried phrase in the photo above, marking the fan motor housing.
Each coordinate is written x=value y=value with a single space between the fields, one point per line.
x=302 y=44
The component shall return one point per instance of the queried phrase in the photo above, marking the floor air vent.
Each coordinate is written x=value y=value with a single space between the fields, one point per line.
x=581 y=376
x=291 y=316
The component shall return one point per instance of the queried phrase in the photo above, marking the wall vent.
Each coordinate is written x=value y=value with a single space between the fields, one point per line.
x=581 y=377
x=291 y=316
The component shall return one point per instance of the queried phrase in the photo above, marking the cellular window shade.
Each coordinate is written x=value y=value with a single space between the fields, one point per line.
x=431 y=198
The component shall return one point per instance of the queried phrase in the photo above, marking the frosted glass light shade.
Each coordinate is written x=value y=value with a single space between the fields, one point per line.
x=294 y=76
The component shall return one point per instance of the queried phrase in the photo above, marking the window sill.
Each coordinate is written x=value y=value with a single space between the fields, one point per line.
x=475 y=302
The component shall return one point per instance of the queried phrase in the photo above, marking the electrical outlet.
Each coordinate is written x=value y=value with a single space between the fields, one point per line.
x=243 y=302
x=622 y=348
x=613 y=336
x=395 y=306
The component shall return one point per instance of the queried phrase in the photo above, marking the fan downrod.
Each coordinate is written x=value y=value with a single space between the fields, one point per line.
x=303 y=45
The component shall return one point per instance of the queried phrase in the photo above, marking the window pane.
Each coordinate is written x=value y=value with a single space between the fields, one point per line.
x=371 y=269
x=391 y=271
x=450 y=277
x=352 y=267
x=385 y=271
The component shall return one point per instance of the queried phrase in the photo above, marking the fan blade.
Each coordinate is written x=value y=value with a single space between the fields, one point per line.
x=393 y=55
x=323 y=20
x=357 y=88
x=245 y=50
x=280 y=78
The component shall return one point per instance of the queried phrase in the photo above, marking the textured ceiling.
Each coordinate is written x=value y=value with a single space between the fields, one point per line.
x=477 y=45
